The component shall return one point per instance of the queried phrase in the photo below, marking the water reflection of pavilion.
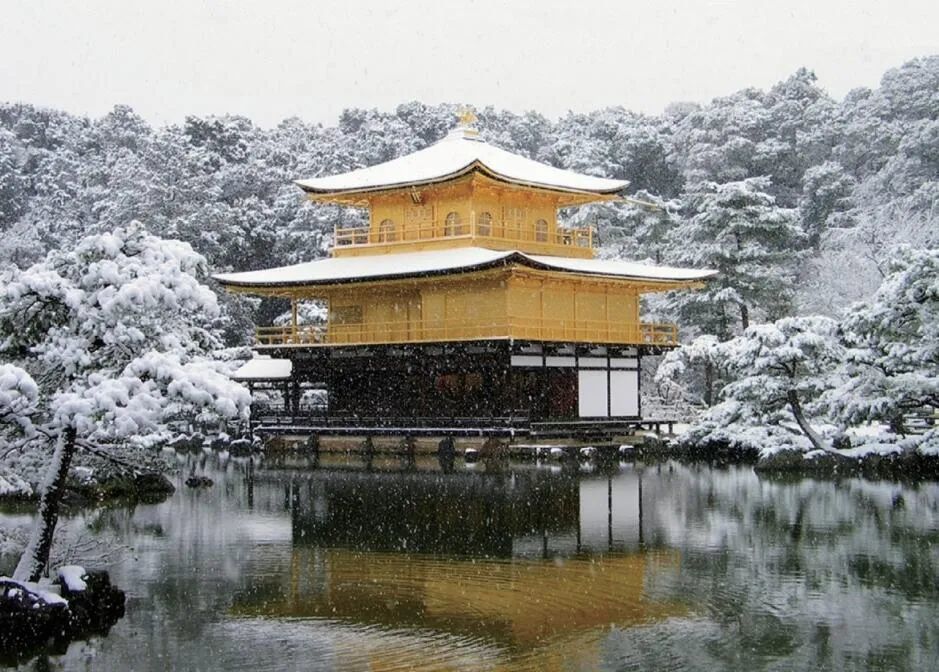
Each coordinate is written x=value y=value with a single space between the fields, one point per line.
x=530 y=561
x=526 y=512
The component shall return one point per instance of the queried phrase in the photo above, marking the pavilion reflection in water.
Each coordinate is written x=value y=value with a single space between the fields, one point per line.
x=526 y=560
x=529 y=512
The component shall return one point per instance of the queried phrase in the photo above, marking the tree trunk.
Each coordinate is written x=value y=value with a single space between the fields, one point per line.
x=709 y=384
x=36 y=556
x=804 y=425
x=897 y=424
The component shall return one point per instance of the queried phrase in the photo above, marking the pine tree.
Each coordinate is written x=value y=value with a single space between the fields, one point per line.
x=892 y=362
x=737 y=229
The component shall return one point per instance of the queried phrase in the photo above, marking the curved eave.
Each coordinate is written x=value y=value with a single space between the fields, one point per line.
x=696 y=281
x=473 y=166
x=385 y=277
x=511 y=258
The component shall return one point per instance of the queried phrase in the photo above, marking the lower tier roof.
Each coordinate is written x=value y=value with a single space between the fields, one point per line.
x=341 y=270
x=263 y=367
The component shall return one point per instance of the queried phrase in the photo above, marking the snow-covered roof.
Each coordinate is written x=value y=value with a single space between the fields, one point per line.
x=264 y=368
x=336 y=270
x=459 y=153
x=620 y=268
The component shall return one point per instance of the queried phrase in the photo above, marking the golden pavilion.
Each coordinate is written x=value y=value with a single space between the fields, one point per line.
x=463 y=302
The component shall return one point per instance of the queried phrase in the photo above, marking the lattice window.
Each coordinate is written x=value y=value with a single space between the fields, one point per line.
x=345 y=314
x=419 y=222
x=514 y=223
x=484 y=224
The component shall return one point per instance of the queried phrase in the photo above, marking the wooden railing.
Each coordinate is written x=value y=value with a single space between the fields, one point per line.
x=535 y=329
x=365 y=235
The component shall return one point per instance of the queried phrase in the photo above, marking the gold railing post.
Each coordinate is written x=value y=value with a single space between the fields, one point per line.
x=293 y=320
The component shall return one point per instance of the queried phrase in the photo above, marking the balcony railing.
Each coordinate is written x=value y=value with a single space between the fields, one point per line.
x=427 y=331
x=364 y=235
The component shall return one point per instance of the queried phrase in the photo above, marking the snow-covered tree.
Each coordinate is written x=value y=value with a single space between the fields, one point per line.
x=851 y=263
x=694 y=371
x=826 y=200
x=779 y=372
x=114 y=336
x=614 y=142
x=782 y=369
x=19 y=399
x=892 y=362
x=14 y=195
x=750 y=133
x=876 y=365
x=638 y=229
x=737 y=229
x=889 y=138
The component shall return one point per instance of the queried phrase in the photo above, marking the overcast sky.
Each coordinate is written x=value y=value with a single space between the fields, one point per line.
x=273 y=59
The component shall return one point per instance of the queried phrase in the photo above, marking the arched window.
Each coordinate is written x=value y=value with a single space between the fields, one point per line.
x=541 y=231
x=484 y=224
x=386 y=231
x=452 y=226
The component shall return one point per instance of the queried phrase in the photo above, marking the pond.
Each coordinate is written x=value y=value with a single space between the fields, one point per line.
x=280 y=566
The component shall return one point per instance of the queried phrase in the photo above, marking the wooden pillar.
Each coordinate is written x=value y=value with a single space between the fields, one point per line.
x=446 y=454
x=313 y=450
x=293 y=321
x=249 y=481
x=409 y=452
x=641 y=539
x=251 y=409
x=367 y=451
x=609 y=511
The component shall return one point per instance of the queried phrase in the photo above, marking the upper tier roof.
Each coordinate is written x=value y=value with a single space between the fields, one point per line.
x=460 y=153
x=337 y=270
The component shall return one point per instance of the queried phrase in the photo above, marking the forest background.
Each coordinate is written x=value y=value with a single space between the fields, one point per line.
x=803 y=203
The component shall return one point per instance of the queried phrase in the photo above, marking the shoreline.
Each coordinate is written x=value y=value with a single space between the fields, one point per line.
x=788 y=464
x=793 y=464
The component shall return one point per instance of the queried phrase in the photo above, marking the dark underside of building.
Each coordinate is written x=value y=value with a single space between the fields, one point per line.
x=486 y=384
